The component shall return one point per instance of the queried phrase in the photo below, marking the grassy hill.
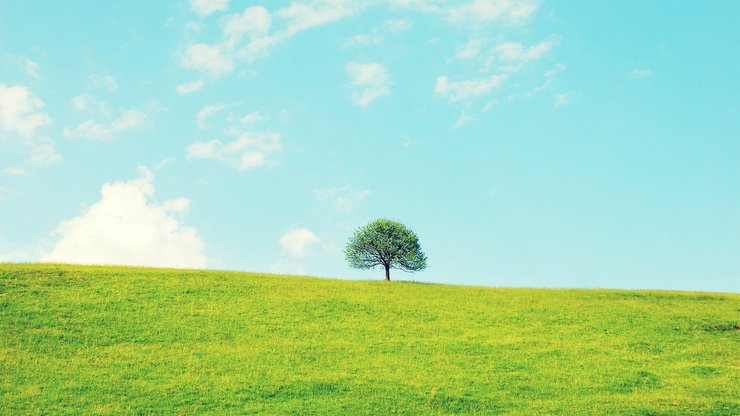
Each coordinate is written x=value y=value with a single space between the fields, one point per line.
x=113 y=340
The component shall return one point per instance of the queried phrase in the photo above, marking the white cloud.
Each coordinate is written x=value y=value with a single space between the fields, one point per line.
x=44 y=153
x=106 y=82
x=32 y=69
x=549 y=77
x=190 y=87
x=205 y=150
x=163 y=163
x=205 y=113
x=206 y=7
x=20 y=115
x=110 y=126
x=562 y=98
x=558 y=68
x=371 y=78
x=128 y=119
x=294 y=18
x=363 y=39
x=298 y=241
x=464 y=118
x=378 y=34
x=213 y=60
x=258 y=46
x=514 y=51
x=488 y=106
x=484 y=11
x=470 y=50
x=641 y=73
x=305 y=15
x=127 y=227
x=87 y=102
x=249 y=150
x=265 y=30
x=254 y=21
x=20 y=111
x=343 y=199
x=251 y=118
x=13 y=171
x=460 y=90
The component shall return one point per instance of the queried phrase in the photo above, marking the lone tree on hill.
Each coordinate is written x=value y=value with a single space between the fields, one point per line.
x=386 y=243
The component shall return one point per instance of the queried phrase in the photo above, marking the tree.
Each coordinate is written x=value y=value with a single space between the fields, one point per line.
x=386 y=243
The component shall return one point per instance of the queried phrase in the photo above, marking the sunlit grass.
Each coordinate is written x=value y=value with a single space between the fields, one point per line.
x=114 y=340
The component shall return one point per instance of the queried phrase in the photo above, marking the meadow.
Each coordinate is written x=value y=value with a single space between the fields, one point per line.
x=122 y=340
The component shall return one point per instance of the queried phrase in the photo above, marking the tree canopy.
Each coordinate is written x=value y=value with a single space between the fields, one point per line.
x=386 y=243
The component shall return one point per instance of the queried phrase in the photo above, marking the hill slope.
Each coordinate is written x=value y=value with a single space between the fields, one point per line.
x=112 y=340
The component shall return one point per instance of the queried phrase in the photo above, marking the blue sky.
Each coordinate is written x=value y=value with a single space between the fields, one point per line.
x=527 y=143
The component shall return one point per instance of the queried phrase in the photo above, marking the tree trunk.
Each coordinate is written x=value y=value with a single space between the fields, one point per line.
x=387 y=274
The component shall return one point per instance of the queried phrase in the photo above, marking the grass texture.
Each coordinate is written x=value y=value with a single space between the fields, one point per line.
x=121 y=340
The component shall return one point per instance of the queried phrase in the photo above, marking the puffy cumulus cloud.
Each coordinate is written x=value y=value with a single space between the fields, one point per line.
x=253 y=21
x=127 y=227
x=21 y=118
x=372 y=80
x=20 y=111
x=249 y=150
x=214 y=60
x=343 y=199
x=190 y=87
x=298 y=241
x=461 y=90
x=206 y=7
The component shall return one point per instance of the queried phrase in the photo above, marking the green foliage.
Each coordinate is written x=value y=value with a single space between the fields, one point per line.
x=386 y=243
x=114 y=340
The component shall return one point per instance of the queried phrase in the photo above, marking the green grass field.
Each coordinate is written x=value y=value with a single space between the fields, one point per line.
x=114 y=340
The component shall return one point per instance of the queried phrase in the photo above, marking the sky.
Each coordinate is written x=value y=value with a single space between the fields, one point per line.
x=527 y=143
